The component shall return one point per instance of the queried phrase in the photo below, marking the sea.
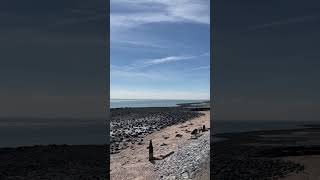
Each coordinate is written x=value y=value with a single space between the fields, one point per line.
x=238 y=126
x=235 y=126
x=121 y=103
x=43 y=131
x=25 y=131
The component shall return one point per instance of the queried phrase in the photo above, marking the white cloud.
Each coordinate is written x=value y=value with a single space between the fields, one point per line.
x=200 y=68
x=168 y=59
x=191 y=11
x=122 y=93
x=137 y=43
x=157 y=61
x=129 y=69
x=123 y=73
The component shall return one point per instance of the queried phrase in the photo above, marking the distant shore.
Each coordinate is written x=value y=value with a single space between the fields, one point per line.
x=139 y=103
x=276 y=154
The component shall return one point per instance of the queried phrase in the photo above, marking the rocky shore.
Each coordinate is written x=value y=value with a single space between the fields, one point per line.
x=180 y=138
x=130 y=125
x=261 y=154
x=187 y=161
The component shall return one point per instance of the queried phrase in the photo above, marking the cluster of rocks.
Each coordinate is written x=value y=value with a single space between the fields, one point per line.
x=186 y=162
x=130 y=125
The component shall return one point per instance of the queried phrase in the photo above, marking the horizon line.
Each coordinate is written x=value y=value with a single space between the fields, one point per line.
x=157 y=99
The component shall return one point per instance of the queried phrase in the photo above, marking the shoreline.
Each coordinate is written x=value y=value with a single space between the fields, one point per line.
x=188 y=103
x=129 y=125
x=170 y=141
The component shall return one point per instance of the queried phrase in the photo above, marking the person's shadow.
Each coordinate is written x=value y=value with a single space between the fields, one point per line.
x=154 y=159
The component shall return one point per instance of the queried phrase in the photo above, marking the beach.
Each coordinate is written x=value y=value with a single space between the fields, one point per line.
x=178 y=154
x=270 y=154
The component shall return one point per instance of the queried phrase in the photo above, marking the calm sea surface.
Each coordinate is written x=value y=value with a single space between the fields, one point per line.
x=228 y=126
x=28 y=131
x=120 y=103
x=43 y=131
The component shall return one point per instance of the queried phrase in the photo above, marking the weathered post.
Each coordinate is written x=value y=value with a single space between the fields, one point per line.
x=150 y=151
x=204 y=128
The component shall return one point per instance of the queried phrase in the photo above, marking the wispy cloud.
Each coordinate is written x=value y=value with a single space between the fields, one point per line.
x=158 y=61
x=124 y=73
x=163 y=58
x=121 y=93
x=205 y=54
x=133 y=43
x=134 y=69
x=200 y=68
x=285 y=22
x=166 y=11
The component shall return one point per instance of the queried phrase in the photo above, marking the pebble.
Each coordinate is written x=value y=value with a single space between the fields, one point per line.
x=185 y=163
x=129 y=124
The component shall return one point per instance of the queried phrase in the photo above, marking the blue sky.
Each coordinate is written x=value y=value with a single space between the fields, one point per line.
x=160 y=49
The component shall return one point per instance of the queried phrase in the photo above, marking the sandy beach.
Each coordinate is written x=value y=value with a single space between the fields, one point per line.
x=177 y=153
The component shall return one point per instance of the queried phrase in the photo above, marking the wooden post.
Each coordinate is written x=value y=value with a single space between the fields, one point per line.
x=150 y=151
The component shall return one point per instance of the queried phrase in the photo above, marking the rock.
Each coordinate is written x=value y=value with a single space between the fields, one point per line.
x=184 y=162
x=140 y=143
x=185 y=175
x=132 y=124
x=195 y=131
x=165 y=137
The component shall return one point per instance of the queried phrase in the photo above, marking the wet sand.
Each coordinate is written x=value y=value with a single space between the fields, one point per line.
x=133 y=162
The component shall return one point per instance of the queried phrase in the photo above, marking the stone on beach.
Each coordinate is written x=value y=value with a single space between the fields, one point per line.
x=129 y=124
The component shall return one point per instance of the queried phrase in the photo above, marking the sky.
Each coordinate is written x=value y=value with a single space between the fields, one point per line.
x=52 y=58
x=266 y=59
x=160 y=49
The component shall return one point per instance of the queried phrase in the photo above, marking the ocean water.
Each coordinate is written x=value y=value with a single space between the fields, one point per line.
x=232 y=126
x=16 y=132
x=120 y=103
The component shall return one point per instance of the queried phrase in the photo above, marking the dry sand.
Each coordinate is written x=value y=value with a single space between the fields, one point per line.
x=133 y=163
